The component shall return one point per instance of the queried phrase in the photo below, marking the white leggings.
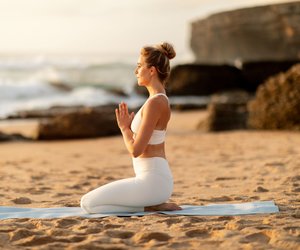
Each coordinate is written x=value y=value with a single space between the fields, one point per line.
x=152 y=185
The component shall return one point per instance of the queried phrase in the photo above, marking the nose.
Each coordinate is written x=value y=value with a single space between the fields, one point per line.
x=136 y=71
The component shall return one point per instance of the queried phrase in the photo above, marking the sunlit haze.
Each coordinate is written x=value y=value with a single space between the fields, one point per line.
x=103 y=27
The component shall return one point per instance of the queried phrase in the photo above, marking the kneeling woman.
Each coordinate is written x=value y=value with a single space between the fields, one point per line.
x=144 y=136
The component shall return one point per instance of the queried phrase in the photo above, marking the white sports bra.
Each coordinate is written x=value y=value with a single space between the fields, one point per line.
x=158 y=136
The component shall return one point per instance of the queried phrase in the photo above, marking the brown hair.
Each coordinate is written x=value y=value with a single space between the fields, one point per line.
x=159 y=56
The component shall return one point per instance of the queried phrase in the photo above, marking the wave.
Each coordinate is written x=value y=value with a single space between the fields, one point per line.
x=35 y=83
x=41 y=84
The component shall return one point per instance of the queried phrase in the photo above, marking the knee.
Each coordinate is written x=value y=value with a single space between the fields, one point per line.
x=85 y=203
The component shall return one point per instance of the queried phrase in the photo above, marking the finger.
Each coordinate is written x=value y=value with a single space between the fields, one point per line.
x=126 y=109
x=117 y=114
x=120 y=109
x=132 y=115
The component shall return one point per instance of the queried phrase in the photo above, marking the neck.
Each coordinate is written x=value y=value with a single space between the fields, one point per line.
x=155 y=88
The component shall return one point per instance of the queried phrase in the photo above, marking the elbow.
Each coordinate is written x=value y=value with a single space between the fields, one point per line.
x=135 y=153
x=136 y=150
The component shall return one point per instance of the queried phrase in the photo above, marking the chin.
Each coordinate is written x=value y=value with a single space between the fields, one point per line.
x=141 y=84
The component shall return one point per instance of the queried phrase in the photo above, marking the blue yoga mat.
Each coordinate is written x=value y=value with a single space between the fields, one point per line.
x=259 y=207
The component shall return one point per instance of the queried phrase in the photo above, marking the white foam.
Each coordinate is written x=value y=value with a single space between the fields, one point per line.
x=22 y=90
x=33 y=83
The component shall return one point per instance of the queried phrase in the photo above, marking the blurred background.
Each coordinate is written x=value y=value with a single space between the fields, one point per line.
x=57 y=54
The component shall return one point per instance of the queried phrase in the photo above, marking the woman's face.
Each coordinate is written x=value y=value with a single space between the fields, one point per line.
x=142 y=72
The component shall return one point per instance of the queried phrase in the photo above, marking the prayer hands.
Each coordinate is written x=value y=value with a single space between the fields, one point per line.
x=124 y=119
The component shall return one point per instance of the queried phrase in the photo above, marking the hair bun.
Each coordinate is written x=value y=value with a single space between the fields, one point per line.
x=168 y=50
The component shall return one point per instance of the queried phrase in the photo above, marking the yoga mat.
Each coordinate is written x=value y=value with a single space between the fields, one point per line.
x=259 y=207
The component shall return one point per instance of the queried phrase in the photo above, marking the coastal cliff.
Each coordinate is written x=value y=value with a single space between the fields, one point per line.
x=250 y=34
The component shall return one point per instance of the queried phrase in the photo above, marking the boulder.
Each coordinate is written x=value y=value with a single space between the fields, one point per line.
x=12 y=137
x=227 y=111
x=255 y=73
x=44 y=113
x=199 y=80
x=277 y=102
x=83 y=123
x=202 y=80
x=56 y=111
x=140 y=90
x=260 y=33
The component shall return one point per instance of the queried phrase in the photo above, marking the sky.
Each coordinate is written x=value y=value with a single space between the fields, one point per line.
x=103 y=27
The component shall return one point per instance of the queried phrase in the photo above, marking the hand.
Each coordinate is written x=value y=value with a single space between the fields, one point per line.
x=124 y=119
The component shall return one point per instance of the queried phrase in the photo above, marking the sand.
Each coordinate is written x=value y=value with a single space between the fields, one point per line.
x=225 y=167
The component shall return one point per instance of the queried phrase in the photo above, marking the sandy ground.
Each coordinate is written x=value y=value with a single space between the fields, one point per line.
x=231 y=167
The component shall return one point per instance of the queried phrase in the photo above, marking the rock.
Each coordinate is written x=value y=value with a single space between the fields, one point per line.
x=62 y=86
x=296 y=214
x=187 y=106
x=260 y=33
x=22 y=200
x=202 y=80
x=260 y=189
x=227 y=111
x=84 y=123
x=277 y=102
x=12 y=137
x=57 y=110
x=118 y=92
x=143 y=237
x=140 y=90
x=255 y=73
x=198 y=79
x=46 y=113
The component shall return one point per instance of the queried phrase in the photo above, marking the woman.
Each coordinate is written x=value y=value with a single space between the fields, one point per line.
x=144 y=136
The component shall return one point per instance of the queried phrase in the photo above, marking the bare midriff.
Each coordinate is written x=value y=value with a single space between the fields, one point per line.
x=154 y=151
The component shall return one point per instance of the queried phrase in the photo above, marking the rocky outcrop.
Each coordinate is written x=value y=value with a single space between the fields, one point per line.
x=251 y=34
x=203 y=80
x=277 y=102
x=255 y=73
x=84 y=123
x=197 y=79
x=12 y=137
x=226 y=111
x=58 y=110
x=45 y=113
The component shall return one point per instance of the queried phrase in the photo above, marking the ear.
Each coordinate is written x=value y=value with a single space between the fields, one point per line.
x=153 y=70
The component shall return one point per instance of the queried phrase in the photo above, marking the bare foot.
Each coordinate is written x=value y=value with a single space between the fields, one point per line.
x=163 y=207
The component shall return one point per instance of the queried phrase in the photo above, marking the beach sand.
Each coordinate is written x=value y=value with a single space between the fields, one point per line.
x=224 y=167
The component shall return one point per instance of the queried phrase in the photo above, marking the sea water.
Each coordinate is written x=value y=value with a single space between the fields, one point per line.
x=29 y=83
x=39 y=83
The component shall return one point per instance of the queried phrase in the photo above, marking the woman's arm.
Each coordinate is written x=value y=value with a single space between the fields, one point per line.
x=124 y=120
x=151 y=115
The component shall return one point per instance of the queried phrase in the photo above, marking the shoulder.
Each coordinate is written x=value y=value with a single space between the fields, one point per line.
x=157 y=103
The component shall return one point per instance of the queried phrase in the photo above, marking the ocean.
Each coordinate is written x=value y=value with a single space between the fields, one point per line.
x=30 y=83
